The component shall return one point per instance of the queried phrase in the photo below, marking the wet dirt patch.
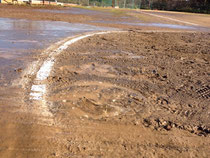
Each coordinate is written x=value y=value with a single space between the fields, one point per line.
x=155 y=93
x=93 y=69
x=100 y=99
x=169 y=93
x=141 y=98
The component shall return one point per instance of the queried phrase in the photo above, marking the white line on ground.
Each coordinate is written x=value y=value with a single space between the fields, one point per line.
x=38 y=91
x=185 y=22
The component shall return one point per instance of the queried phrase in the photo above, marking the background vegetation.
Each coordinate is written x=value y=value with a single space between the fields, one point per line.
x=199 y=6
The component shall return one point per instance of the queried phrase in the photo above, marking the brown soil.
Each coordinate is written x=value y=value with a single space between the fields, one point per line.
x=32 y=13
x=132 y=94
x=135 y=95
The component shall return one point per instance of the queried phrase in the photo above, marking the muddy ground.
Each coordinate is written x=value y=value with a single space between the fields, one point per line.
x=131 y=94
x=125 y=86
x=35 y=13
x=122 y=18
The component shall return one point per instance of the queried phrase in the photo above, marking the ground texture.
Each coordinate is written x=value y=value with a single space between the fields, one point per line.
x=135 y=95
x=139 y=93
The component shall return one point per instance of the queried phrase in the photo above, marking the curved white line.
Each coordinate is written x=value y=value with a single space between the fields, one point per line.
x=39 y=90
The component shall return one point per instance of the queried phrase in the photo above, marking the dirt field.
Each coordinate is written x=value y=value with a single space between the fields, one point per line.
x=142 y=92
x=122 y=18
x=145 y=98
x=32 y=13
x=199 y=19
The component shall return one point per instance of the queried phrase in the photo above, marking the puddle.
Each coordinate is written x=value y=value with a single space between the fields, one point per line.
x=118 y=20
x=26 y=34
x=20 y=38
x=77 y=11
x=171 y=26
x=137 y=57
x=139 y=23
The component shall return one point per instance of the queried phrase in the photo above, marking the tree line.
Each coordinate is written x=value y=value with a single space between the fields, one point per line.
x=199 y=6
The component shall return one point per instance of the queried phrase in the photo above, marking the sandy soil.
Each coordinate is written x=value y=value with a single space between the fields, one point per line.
x=135 y=95
x=131 y=94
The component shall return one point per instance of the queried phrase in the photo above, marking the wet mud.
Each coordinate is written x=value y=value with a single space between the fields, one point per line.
x=132 y=80
x=123 y=18
x=139 y=93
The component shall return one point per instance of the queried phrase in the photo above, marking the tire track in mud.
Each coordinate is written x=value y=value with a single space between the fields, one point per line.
x=204 y=92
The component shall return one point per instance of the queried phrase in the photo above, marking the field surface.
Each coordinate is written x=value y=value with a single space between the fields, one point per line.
x=100 y=82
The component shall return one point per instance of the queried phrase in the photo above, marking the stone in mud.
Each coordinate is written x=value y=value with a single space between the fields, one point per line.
x=19 y=70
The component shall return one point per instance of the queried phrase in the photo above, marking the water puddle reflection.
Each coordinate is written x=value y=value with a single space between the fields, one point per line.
x=140 y=23
x=19 y=38
x=78 y=11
